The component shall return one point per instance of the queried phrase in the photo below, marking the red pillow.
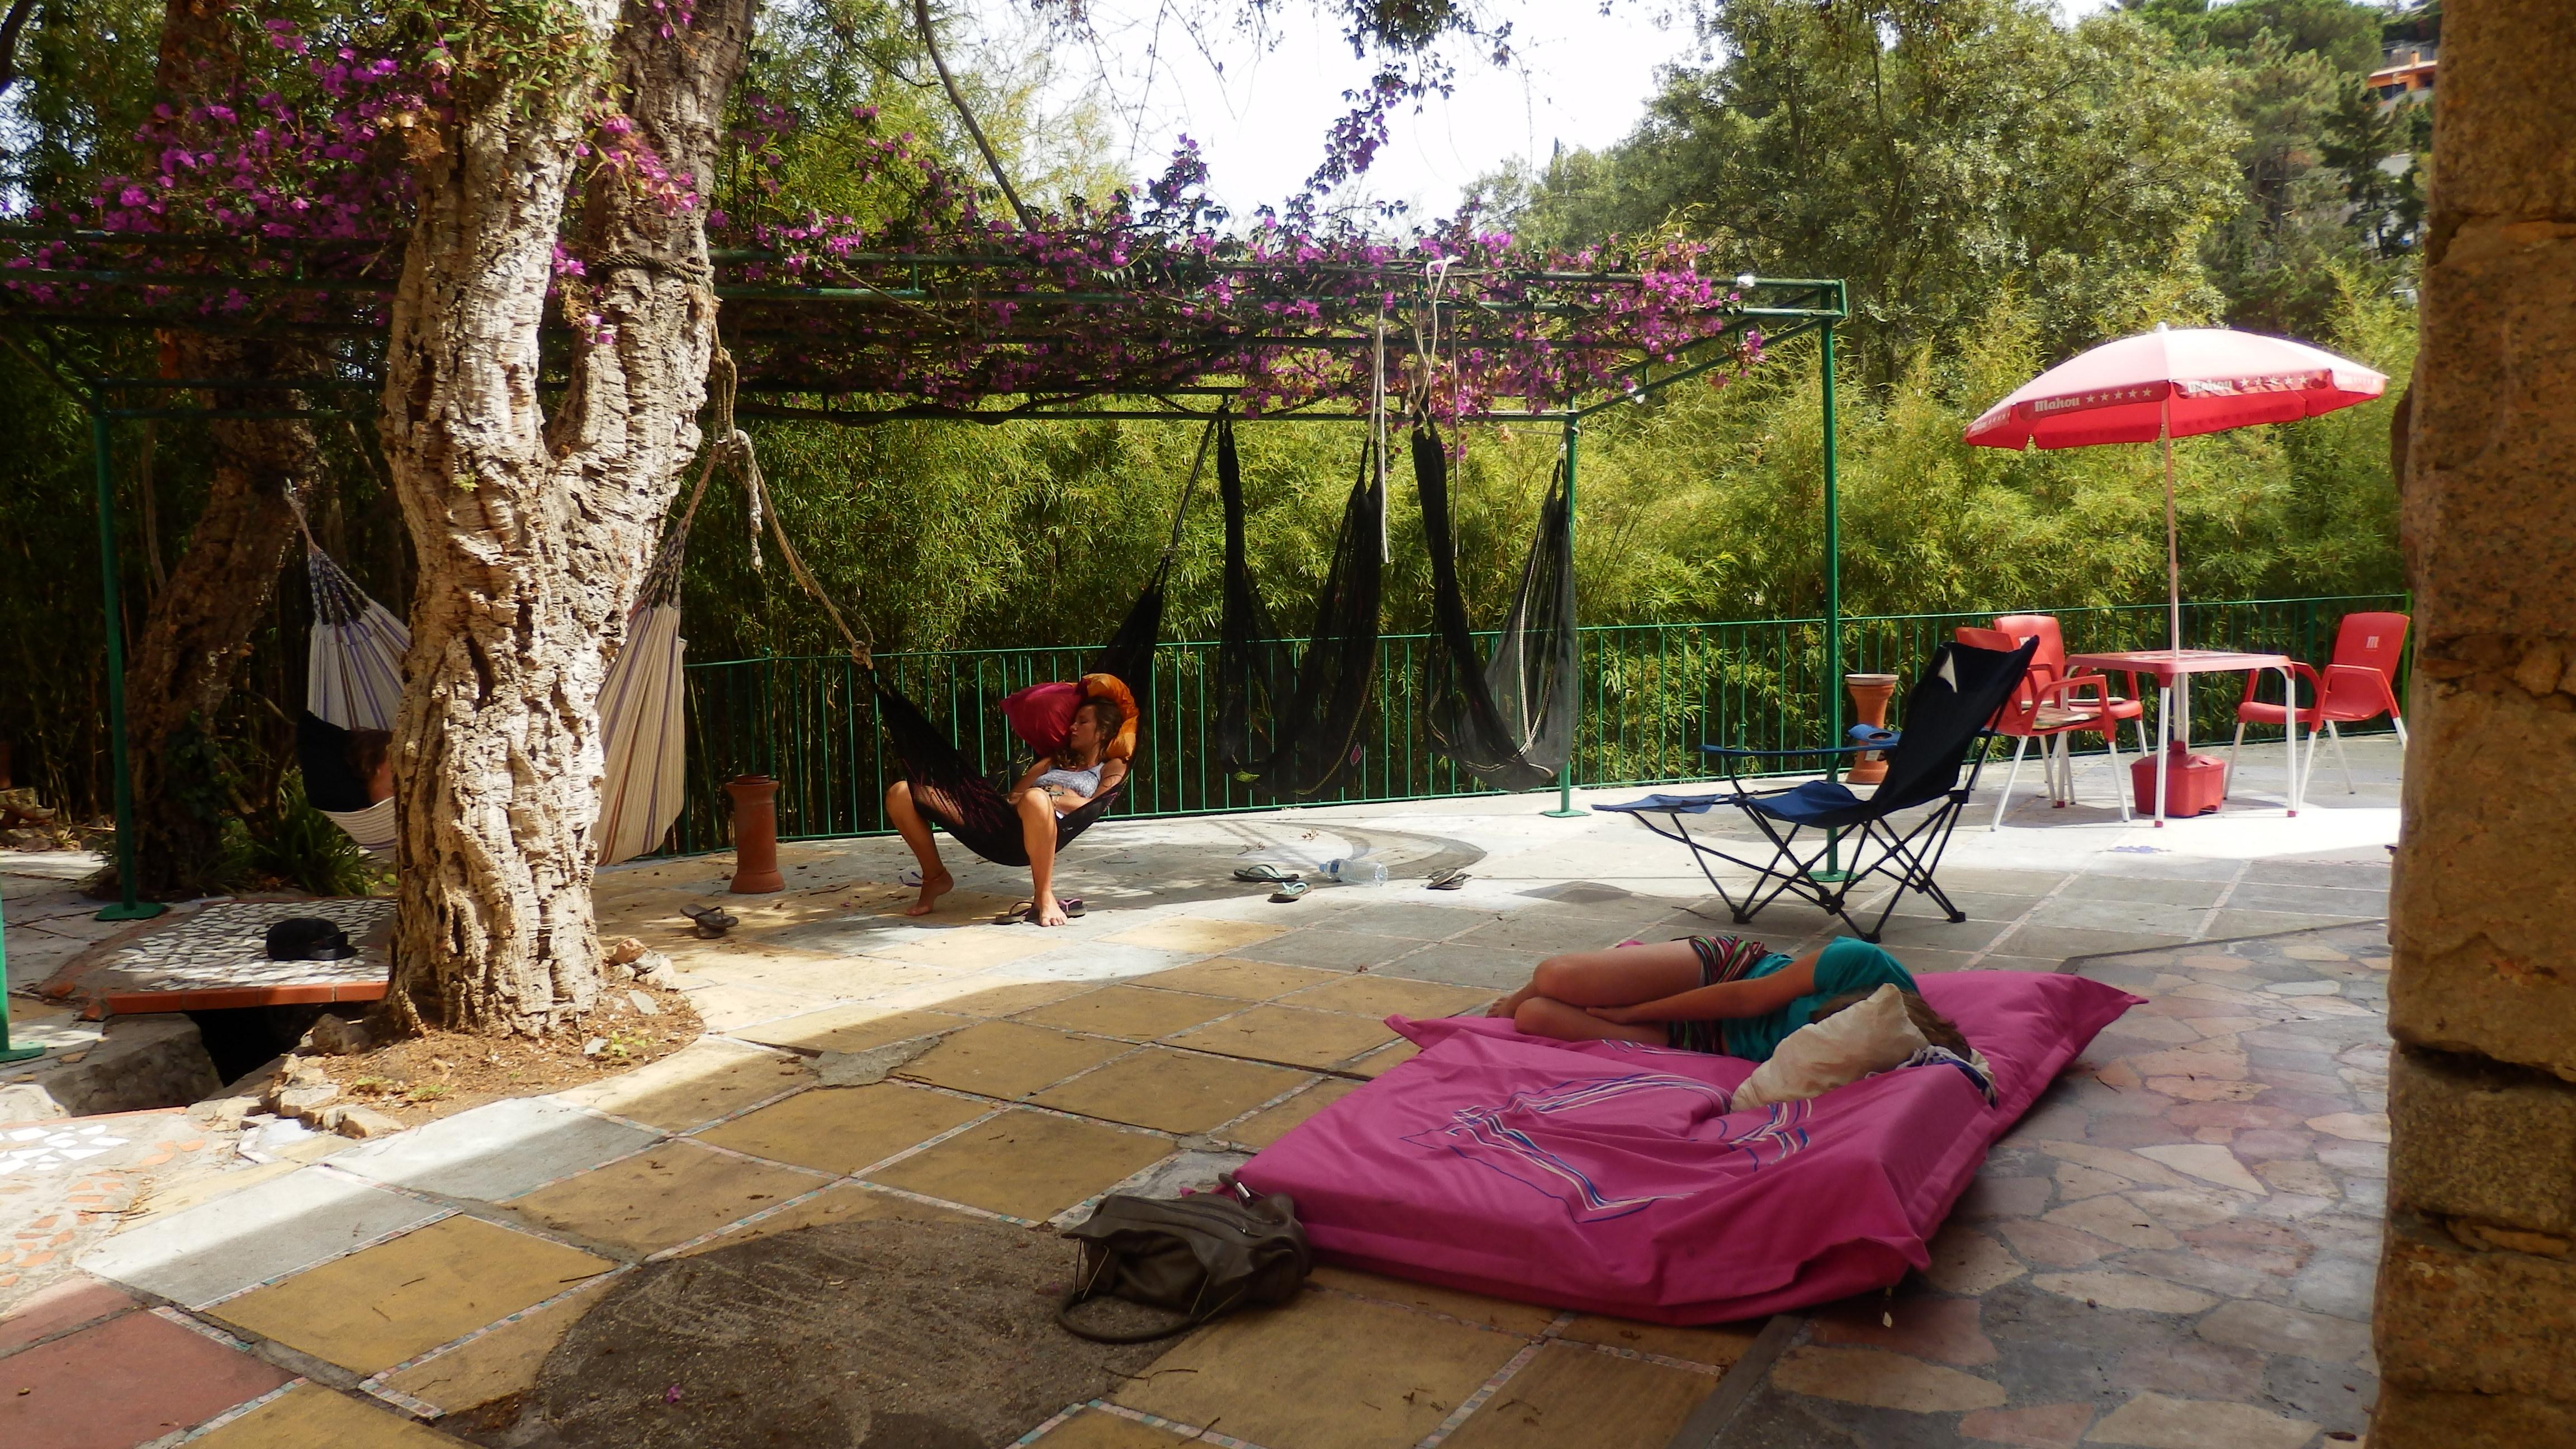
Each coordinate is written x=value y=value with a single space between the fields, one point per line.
x=1042 y=714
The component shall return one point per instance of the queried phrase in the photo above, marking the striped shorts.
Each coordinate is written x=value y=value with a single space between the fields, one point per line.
x=1721 y=959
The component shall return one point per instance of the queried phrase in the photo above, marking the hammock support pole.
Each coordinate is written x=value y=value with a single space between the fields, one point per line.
x=1833 y=870
x=128 y=908
x=1574 y=688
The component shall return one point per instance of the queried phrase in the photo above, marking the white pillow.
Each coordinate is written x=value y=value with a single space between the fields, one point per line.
x=1870 y=1036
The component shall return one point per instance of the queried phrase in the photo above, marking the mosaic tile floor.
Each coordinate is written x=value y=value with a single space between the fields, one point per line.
x=214 y=958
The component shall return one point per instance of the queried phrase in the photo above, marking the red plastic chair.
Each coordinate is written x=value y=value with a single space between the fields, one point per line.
x=2050 y=664
x=2046 y=709
x=2359 y=685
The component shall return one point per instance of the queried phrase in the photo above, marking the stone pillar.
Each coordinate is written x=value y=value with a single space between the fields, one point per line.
x=2476 y=1317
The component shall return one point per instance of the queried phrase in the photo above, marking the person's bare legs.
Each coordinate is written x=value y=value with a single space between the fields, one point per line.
x=1621 y=976
x=935 y=879
x=1037 y=833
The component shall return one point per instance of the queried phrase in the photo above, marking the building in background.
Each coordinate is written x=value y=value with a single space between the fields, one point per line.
x=2409 y=44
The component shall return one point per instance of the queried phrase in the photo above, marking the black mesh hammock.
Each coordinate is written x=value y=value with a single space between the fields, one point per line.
x=1509 y=721
x=1287 y=724
x=949 y=789
x=952 y=792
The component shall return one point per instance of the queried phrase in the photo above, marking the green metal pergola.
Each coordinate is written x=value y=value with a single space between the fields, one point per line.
x=342 y=317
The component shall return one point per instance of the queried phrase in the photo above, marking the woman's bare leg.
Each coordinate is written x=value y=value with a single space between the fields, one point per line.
x=935 y=880
x=1621 y=976
x=1037 y=833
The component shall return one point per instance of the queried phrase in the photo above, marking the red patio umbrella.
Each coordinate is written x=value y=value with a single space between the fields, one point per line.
x=2170 y=384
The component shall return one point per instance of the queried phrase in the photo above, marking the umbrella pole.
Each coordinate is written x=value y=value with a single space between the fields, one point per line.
x=2173 y=536
x=2175 y=696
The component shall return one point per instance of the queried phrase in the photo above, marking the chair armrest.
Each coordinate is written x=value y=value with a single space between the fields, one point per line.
x=2380 y=685
x=2056 y=691
x=2298 y=670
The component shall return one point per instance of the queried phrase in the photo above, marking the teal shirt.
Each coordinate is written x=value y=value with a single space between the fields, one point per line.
x=1847 y=963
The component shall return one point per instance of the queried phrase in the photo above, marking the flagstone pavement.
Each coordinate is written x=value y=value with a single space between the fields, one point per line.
x=2173 y=1249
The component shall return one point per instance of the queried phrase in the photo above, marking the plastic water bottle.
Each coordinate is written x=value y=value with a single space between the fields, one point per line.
x=1362 y=871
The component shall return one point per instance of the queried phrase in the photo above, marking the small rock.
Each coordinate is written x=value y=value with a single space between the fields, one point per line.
x=361 y=1121
x=594 y=1046
x=655 y=970
x=28 y=1103
x=643 y=1003
x=224 y=1114
x=304 y=1103
x=300 y=1074
x=624 y=950
x=333 y=1037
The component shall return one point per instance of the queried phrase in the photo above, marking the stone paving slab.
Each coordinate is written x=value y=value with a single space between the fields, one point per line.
x=135 y=1378
x=390 y=1303
x=309 y=1416
x=263 y=1232
x=495 y=1151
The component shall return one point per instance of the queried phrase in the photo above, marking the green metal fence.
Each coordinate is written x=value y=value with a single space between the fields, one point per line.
x=1652 y=695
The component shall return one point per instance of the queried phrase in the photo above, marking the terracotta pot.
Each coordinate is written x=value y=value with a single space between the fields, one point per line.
x=755 y=835
x=1870 y=694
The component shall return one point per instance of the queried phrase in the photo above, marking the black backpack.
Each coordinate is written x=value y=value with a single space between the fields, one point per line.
x=1198 y=1256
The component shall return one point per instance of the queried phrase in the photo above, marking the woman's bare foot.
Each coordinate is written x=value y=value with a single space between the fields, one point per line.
x=932 y=888
x=1510 y=1005
x=1049 y=912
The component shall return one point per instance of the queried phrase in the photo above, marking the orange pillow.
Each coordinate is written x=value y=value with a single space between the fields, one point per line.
x=1112 y=689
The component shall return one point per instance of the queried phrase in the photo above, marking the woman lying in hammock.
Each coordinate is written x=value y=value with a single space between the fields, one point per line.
x=1721 y=994
x=1097 y=742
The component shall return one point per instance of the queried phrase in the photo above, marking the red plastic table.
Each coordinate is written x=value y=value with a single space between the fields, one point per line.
x=2172 y=668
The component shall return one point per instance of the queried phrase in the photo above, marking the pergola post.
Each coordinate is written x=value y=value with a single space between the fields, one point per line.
x=1574 y=689
x=1833 y=599
x=127 y=908
x=10 y=1053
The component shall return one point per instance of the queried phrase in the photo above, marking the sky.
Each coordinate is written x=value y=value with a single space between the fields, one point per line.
x=1580 y=78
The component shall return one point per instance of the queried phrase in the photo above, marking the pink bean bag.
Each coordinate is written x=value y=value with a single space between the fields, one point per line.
x=1610 y=1178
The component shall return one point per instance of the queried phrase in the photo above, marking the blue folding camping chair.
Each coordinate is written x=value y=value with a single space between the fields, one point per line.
x=1947 y=722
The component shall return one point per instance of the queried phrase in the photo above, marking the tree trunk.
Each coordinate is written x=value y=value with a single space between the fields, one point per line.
x=198 y=628
x=533 y=533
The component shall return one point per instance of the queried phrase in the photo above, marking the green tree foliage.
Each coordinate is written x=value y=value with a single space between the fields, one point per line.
x=2313 y=200
x=2000 y=188
x=1941 y=156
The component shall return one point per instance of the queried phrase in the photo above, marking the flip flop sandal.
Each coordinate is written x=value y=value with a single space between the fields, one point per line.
x=1448 y=880
x=1072 y=908
x=1263 y=874
x=1019 y=911
x=1290 y=889
x=911 y=877
x=712 y=921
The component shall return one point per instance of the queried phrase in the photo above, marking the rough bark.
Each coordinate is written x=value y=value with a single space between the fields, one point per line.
x=198 y=628
x=533 y=532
